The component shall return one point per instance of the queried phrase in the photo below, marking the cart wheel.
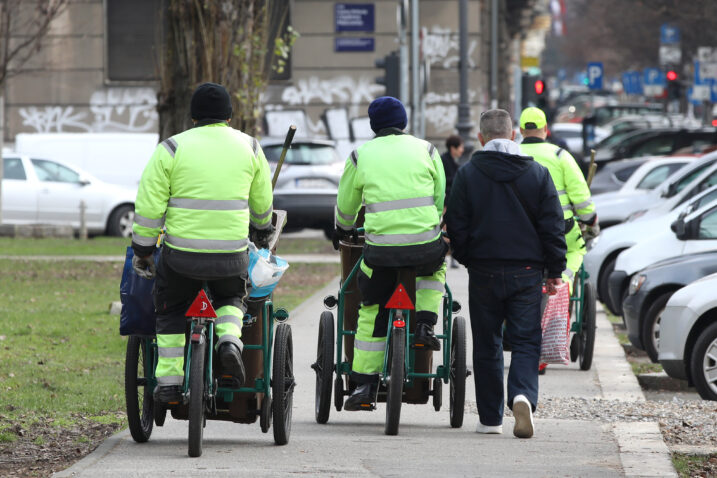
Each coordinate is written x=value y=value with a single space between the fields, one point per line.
x=160 y=413
x=197 y=399
x=458 y=372
x=394 y=379
x=338 y=393
x=437 y=394
x=282 y=384
x=138 y=396
x=324 y=367
x=265 y=414
x=587 y=334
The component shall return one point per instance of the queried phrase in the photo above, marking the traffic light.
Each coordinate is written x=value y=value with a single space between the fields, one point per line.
x=674 y=87
x=391 y=78
x=534 y=92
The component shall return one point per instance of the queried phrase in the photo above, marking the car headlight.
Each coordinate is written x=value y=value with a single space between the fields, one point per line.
x=635 y=283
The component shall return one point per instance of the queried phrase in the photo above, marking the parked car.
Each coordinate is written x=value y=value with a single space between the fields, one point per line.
x=49 y=192
x=688 y=336
x=643 y=174
x=603 y=114
x=635 y=122
x=694 y=232
x=572 y=134
x=308 y=182
x=614 y=208
x=652 y=287
x=600 y=259
x=658 y=142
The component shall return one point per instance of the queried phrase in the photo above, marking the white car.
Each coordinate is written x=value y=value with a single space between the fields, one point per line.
x=688 y=336
x=572 y=133
x=636 y=175
x=695 y=232
x=600 y=260
x=41 y=191
x=617 y=207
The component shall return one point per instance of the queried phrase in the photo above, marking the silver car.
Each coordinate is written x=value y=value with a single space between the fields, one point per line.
x=308 y=182
x=688 y=336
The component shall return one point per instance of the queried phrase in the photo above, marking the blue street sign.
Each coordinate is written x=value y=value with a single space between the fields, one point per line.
x=354 y=17
x=354 y=44
x=654 y=77
x=669 y=34
x=713 y=91
x=595 y=73
x=632 y=82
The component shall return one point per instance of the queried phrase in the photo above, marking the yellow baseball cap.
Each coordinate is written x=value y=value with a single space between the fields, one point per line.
x=532 y=118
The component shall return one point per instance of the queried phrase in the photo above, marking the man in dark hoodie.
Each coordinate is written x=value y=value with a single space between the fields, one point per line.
x=506 y=226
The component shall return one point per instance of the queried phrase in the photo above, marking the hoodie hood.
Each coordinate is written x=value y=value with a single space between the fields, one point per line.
x=501 y=160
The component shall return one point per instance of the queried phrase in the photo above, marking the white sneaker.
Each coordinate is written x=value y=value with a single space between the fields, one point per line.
x=523 y=413
x=488 y=429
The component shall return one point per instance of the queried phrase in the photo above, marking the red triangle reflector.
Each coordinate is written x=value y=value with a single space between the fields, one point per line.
x=201 y=307
x=400 y=299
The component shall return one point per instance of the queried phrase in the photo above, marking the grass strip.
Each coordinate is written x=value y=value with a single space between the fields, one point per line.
x=61 y=353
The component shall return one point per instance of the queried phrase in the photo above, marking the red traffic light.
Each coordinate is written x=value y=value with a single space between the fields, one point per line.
x=671 y=75
x=539 y=87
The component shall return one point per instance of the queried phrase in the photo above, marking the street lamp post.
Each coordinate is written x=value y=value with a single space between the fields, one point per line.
x=464 y=125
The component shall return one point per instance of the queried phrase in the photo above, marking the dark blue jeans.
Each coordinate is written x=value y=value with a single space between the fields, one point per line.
x=509 y=294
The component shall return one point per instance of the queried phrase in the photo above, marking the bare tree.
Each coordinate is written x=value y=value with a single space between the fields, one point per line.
x=23 y=26
x=625 y=35
x=235 y=43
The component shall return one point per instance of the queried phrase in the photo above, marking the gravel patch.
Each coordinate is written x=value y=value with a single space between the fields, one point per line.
x=682 y=422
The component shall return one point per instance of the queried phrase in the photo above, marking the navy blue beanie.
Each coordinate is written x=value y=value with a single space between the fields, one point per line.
x=387 y=112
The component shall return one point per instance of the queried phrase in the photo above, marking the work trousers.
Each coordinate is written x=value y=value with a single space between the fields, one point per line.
x=509 y=294
x=574 y=257
x=376 y=286
x=173 y=294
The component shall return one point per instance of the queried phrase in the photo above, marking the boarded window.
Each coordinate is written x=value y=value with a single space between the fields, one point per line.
x=132 y=34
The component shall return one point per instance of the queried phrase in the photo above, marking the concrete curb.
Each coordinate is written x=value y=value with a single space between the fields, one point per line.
x=642 y=449
x=100 y=452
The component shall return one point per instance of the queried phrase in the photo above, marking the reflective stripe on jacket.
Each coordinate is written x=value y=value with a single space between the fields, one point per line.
x=401 y=181
x=205 y=185
x=573 y=191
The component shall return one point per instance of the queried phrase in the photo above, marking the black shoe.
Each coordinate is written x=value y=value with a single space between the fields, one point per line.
x=363 y=398
x=168 y=394
x=425 y=337
x=232 y=363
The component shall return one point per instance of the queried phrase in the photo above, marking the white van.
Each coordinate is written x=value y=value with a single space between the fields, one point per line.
x=117 y=158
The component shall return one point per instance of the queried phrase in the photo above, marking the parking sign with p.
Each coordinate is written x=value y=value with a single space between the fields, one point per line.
x=595 y=73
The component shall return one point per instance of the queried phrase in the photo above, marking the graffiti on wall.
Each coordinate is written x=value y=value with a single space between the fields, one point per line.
x=340 y=89
x=110 y=110
x=441 y=48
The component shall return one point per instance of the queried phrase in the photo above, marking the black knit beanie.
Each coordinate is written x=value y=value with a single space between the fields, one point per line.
x=211 y=101
x=386 y=112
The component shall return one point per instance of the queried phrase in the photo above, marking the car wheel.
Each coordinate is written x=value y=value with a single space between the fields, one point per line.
x=603 y=284
x=120 y=222
x=329 y=232
x=650 y=327
x=703 y=363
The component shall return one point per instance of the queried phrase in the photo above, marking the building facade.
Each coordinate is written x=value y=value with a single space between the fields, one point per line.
x=97 y=70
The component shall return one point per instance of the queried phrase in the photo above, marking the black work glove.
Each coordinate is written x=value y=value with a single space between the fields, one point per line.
x=144 y=266
x=261 y=237
x=341 y=235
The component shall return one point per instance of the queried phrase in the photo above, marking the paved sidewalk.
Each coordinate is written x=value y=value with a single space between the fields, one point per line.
x=352 y=444
x=313 y=258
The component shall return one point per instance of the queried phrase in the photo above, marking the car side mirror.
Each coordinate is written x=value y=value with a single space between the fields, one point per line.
x=83 y=181
x=679 y=228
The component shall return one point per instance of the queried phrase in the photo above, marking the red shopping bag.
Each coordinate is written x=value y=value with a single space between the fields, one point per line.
x=555 y=348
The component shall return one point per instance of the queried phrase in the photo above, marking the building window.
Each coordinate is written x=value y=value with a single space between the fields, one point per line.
x=132 y=37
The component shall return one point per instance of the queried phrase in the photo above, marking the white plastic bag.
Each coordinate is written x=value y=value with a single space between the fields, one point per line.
x=265 y=271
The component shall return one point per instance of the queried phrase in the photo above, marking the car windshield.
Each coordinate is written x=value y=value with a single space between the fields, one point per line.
x=613 y=140
x=307 y=154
